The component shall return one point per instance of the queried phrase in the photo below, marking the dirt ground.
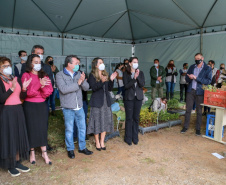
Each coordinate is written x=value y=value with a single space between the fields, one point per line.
x=163 y=157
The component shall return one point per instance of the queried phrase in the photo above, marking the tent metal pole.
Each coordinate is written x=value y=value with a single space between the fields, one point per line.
x=14 y=9
x=46 y=15
x=209 y=12
x=201 y=40
x=76 y=8
x=62 y=37
x=130 y=24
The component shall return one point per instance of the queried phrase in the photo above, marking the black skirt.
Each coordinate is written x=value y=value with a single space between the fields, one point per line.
x=13 y=136
x=36 y=114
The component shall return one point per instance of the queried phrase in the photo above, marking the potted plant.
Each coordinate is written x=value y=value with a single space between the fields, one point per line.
x=173 y=107
x=152 y=121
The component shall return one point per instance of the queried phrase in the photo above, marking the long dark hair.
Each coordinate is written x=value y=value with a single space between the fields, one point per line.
x=128 y=68
x=29 y=68
x=169 y=65
x=117 y=66
x=94 y=70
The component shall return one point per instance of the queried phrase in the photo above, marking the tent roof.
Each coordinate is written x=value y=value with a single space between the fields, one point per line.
x=116 y=19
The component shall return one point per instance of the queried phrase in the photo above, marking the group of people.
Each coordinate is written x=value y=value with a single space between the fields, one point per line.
x=28 y=95
x=24 y=111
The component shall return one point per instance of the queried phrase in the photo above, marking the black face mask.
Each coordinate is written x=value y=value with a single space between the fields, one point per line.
x=221 y=68
x=198 y=62
x=51 y=62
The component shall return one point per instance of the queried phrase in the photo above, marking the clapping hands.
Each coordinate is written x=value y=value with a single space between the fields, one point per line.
x=113 y=76
x=26 y=83
x=191 y=76
x=82 y=78
x=45 y=81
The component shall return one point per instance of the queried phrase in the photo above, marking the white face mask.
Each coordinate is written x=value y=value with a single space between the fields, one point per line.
x=41 y=57
x=156 y=65
x=135 y=65
x=8 y=71
x=101 y=67
x=24 y=58
x=37 y=67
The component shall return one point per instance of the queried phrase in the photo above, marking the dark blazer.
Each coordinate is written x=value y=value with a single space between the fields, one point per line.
x=204 y=78
x=97 y=97
x=129 y=85
x=46 y=68
x=4 y=95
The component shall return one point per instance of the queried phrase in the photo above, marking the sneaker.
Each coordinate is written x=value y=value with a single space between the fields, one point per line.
x=193 y=111
x=183 y=130
x=198 y=133
x=14 y=172
x=21 y=167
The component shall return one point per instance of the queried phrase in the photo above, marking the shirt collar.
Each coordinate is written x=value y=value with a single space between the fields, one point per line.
x=69 y=73
x=200 y=67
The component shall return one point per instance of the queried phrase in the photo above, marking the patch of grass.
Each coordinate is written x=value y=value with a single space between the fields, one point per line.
x=148 y=160
x=56 y=130
x=165 y=160
x=161 y=171
x=86 y=170
x=87 y=160
x=119 y=167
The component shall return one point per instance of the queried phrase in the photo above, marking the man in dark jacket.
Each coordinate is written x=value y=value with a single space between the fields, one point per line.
x=198 y=74
x=158 y=75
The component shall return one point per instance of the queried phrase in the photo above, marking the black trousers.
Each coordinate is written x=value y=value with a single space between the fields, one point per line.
x=182 y=88
x=191 y=97
x=132 y=109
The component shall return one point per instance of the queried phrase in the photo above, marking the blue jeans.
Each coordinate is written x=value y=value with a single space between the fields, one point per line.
x=170 y=87
x=85 y=108
x=121 y=89
x=58 y=95
x=70 y=117
x=51 y=100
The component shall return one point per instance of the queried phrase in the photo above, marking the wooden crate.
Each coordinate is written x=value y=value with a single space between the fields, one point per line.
x=217 y=98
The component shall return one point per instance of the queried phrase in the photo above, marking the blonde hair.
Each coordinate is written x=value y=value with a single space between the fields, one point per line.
x=95 y=70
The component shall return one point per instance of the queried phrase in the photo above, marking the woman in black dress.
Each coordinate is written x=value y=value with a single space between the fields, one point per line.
x=14 y=146
x=101 y=119
x=134 y=81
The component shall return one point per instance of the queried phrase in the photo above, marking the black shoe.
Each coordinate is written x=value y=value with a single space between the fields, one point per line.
x=71 y=154
x=183 y=130
x=85 y=151
x=21 y=167
x=53 y=113
x=204 y=114
x=103 y=148
x=128 y=143
x=136 y=143
x=99 y=149
x=49 y=148
x=198 y=133
x=14 y=172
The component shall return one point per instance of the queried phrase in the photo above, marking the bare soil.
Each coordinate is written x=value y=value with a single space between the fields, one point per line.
x=163 y=157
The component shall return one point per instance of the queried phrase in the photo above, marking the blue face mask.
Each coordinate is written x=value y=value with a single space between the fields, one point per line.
x=76 y=68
